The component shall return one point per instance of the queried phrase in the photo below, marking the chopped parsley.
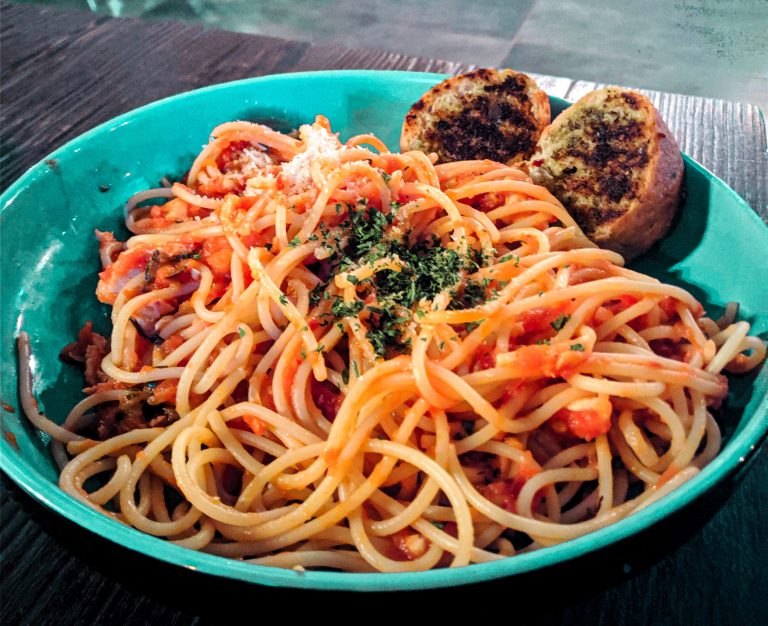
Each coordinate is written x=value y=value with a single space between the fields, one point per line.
x=317 y=293
x=510 y=257
x=577 y=347
x=471 y=294
x=387 y=332
x=340 y=309
x=472 y=325
x=366 y=230
x=561 y=321
x=427 y=270
x=422 y=270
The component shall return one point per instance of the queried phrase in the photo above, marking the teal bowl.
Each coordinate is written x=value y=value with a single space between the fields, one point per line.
x=716 y=249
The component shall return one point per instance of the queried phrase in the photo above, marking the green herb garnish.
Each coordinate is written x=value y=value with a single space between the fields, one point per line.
x=340 y=309
x=561 y=321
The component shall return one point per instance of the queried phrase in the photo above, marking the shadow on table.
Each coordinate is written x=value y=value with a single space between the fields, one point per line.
x=536 y=597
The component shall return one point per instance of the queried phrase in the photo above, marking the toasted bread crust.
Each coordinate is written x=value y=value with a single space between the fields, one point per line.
x=484 y=114
x=612 y=161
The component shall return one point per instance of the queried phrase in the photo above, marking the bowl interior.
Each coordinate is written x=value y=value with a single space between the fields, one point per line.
x=50 y=264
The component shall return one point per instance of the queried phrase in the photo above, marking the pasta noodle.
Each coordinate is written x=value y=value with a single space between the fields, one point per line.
x=335 y=356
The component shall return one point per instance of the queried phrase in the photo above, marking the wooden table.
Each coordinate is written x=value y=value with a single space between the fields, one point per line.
x=62 y=74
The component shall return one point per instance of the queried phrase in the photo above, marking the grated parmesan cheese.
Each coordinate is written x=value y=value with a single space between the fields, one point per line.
x=252 y=161
x=263 y=181
x=318 y=142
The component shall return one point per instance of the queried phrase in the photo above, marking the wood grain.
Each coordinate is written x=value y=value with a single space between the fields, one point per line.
x=81 y=54
x=74 y=73
x=66 y=72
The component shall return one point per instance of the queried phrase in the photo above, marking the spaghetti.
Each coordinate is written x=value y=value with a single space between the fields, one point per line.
x=335 y=356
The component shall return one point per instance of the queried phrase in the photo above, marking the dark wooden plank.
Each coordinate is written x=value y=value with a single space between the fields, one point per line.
x=97 y=68
x=78 y=50
x=323 y=57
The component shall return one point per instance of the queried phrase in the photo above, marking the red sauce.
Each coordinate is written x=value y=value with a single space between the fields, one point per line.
x=587 y=424
x=170 y=344
x=165 y=391
x=231 y=153
x=549 y=361
x=255 y=424
x=517 y=387
x=217 y=255
x=484 y=358
x=326 y=398
x=541 y=318
x=130 y=263
x=505 y=492
x=408 y=545
x=617 y=305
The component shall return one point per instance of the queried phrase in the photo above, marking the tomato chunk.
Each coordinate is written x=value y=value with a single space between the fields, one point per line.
x=558 y=361
x=255 y=424
x=164 y=391
x=587 y=418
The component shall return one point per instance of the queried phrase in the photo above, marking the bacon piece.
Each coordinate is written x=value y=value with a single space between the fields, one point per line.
x=109 y=247
x=89 y=350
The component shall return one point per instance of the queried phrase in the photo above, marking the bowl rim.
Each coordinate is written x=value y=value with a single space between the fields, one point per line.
x=732 y=457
